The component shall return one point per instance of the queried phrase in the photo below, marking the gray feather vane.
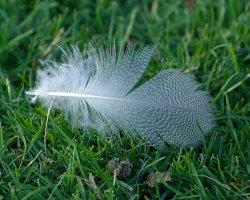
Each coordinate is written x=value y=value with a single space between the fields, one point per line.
x=95 y=90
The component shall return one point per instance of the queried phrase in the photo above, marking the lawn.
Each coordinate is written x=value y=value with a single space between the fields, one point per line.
x=208 y=39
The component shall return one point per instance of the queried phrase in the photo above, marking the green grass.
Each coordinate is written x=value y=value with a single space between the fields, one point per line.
x=210 y=41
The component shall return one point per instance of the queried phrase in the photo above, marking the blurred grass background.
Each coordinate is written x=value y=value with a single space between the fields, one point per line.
x=206 y=38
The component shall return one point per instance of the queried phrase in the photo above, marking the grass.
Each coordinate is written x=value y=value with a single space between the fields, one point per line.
x=210 y=40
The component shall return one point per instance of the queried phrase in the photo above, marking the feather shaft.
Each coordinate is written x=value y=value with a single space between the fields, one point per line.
x=86 y=96
x=79 y=95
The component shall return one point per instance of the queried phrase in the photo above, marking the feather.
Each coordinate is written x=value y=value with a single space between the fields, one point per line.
x=95 y=90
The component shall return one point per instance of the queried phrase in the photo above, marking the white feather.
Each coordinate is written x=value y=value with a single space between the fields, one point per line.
x=96 y=90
